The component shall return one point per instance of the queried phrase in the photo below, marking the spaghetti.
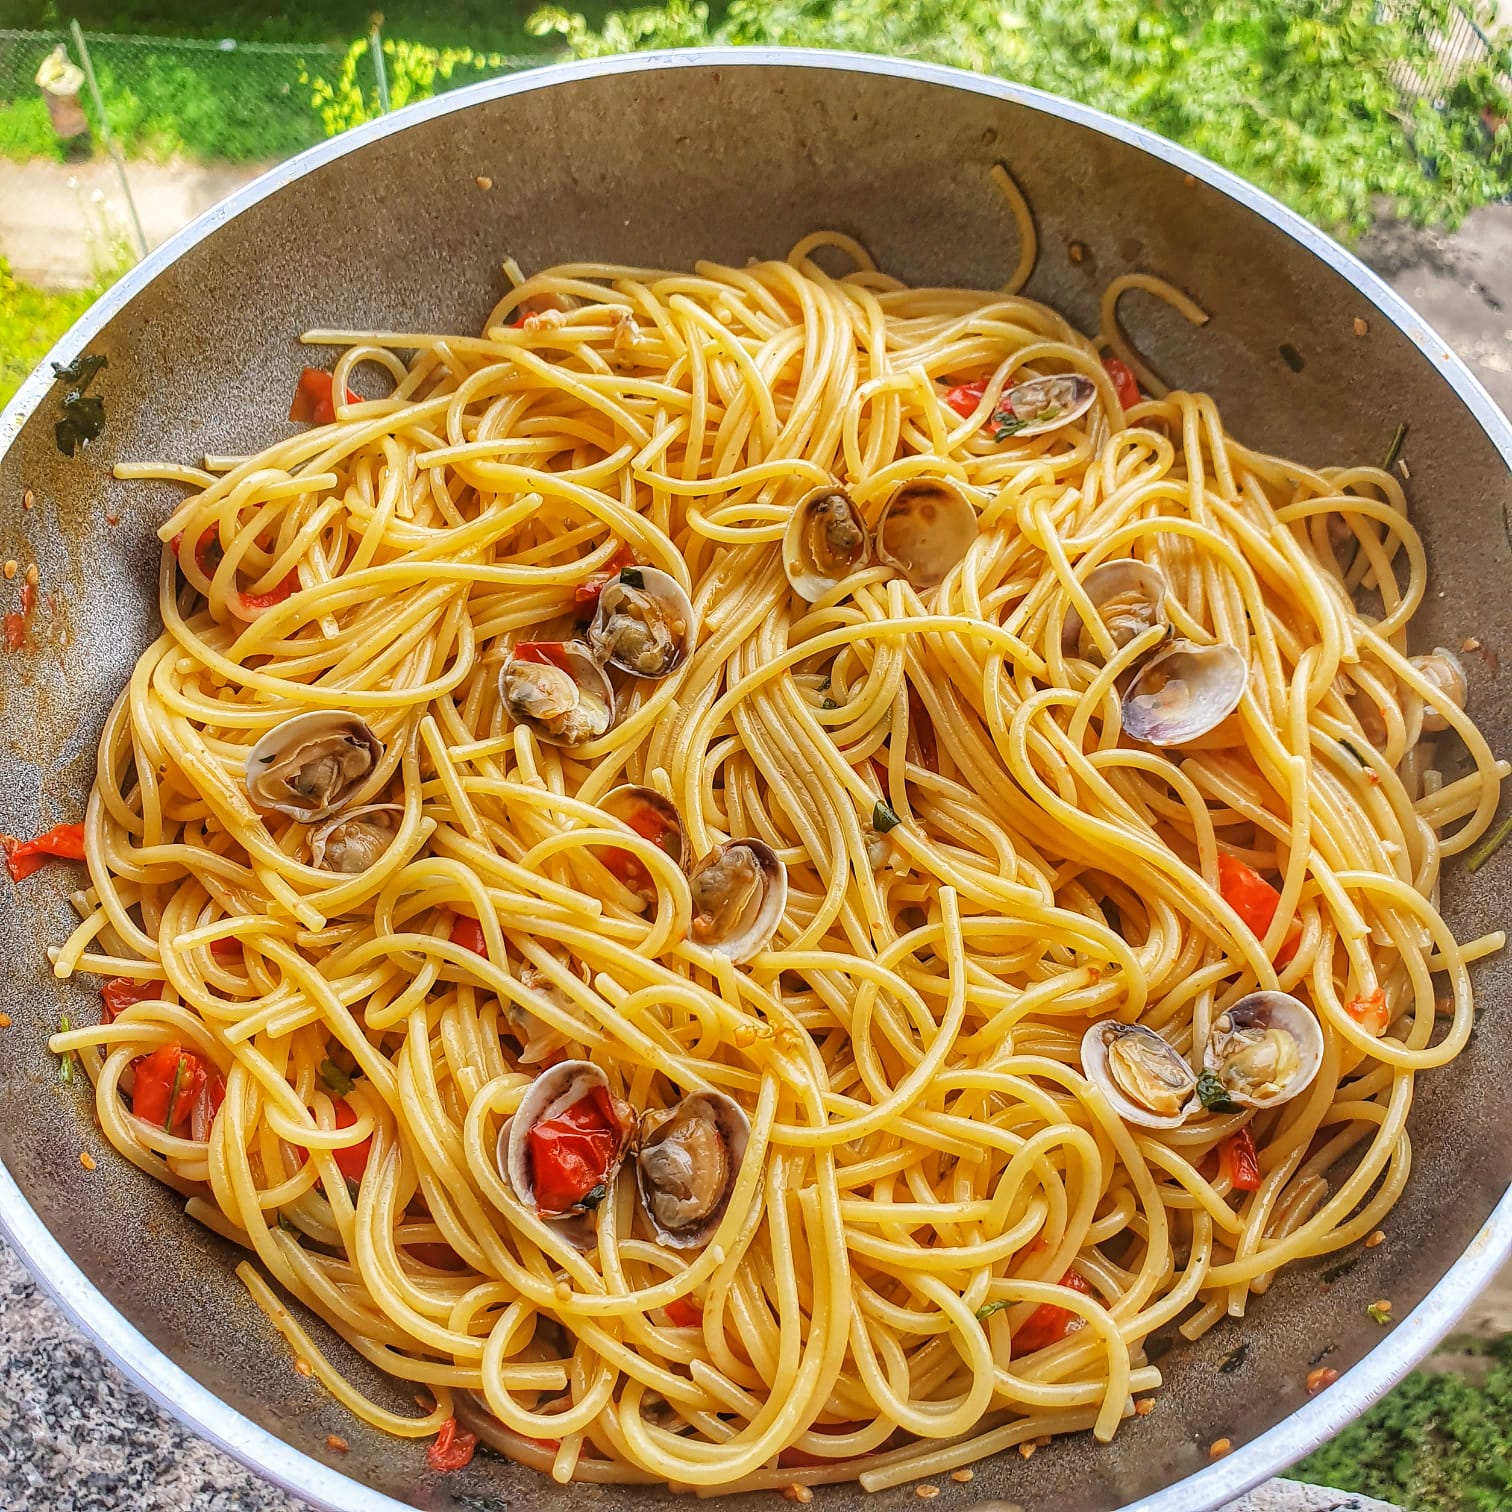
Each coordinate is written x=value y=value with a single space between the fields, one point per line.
x=937 y=1237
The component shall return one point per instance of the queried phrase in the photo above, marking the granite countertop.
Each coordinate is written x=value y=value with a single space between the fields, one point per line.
x=76 y=1437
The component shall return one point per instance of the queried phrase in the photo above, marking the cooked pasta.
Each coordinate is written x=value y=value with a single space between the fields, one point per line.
x=803 y=939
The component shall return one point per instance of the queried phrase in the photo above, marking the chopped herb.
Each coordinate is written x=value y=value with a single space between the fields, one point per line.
x=883 y=818
x=83 y=415
x=824 y=686
x=594 y=1197
x=1007 y=423
x=335 y=1078
x=1214 y=1094
x=1395 y=449
x=829 y=703
x=1353 y=752
x=173 y=1092
x=1291 y=357
x=1233 y=1360
x=1339 y=1271
x=987 y=1309
x=65 y=1061
x=1379 y=1312
x=631 y=577
x=1497 y=839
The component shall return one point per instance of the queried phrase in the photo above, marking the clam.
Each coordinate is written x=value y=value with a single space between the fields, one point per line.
x=351 y=842
x=925 y=529
x=571 y=1098
x=558 y=690
x=1184 y=691
x=826 y=540
x=1042 y=404
x=689 y=1157
x=1140 y=1073
x=739 y=892
x=1265 y=1050
x=651 y=816
x=1129 y=597
x=310 y=765
x=1444 y=672
x=644 y=624
x=537 y=1038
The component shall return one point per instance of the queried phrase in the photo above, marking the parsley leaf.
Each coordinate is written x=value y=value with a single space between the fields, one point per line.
x=987 y=1309
x=883 y=818
x=1214 y=1094
x=335 y=1078
x=631 y=577
x=83 y=415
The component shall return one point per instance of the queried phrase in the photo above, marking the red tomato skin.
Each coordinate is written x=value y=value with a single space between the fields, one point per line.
x=119 y=993
x=451 y=1450
x=468 y=933
x=571 y=1154
x=1240 y=1162
x=313 y=400
x=1255 y=901
x=352 y=1161
x=1049 y=1324
x=1124 y=381
x=63 y=842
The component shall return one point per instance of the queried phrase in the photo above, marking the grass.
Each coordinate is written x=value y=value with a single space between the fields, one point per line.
x=31 y=320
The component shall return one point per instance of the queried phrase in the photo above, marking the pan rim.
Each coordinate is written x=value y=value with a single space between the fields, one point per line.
x=327 y=1488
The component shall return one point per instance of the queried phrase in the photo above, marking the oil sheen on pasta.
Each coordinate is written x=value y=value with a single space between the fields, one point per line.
x=942 y=1240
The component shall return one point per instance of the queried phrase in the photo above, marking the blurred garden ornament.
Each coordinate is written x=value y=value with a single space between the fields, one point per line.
x=60 y=79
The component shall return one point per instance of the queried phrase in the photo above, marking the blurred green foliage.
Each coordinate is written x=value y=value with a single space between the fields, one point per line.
x=30 y=322
x=1300 y=96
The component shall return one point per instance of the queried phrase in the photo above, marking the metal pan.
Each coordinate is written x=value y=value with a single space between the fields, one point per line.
x=662 y=160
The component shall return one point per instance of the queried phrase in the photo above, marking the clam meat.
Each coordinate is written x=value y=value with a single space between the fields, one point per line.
x=686 y=1167
x=1184 y=691
x=352 y=842
x=826 y=540
x=1140 y=1073
x=1042 y=404
x=925 y=530
x=1129 y=597
x=644 y=624
x=1443 y=671
x=739 y=893
x=310 y=766
x=1265 y=1050
x=558 y=690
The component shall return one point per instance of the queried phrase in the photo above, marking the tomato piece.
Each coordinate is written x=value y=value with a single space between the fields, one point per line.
x=1124 y=382
x=208 y=551
x=546 y=653
x=1255 y=901
x=255 y=602
x=468 y=933
x=1239 y=1162
x=965 y=397
x=119 y=993
x=15 y=630
x=587 y=592
x=570 y=1155
x=1370 y=1011
x=684 y=1312
x=628 y=869
x=227 y=949
x=1048 y=1324
x=437 y=1256
x=313 y=399
x=63 y=842
x=452 y=1449
x=174 y=1088
x=352 y=1161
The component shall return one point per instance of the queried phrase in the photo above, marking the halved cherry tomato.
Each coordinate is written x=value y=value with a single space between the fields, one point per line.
x=1124 y=381
x=965 y=397
x=684 y=1312
x=63 y=842
x=119 y=993
x=468 y=933
x=570 y=1154
x=1370 y=1011
x=1239 y=1162
x=452 y=1449
x=546 y=653
x=1048 y=1324
x=1255 y=901
x=176 y=1088
x=587 y=592
x=253 y=602
x=352 y=1161
x=313 y=399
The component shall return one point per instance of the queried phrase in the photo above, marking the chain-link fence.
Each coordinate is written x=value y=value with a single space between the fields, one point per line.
x=1457 y=48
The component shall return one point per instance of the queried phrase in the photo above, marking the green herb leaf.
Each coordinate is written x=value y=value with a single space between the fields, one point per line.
x=1353 y=751
x=1379 y=1312
x=335 y=1078
x=1233 y=1360
x=83 y=417
x=631 y=577
x=596 y=1196
x=883 y=818
x=987 y=1309
x=1214 y=1095
x=81 y=371
x=829 y=703
x=1498 y=838
x=1395 y=449
x=173 y=1092
x=1007 y=424
x=66 y=1060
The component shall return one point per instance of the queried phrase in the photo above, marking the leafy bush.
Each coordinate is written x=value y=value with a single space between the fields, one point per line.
x=30 y=322
x=1299 y=96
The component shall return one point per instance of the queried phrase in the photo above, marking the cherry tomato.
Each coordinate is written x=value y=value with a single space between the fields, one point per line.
x=1240 y=1163
x=1255 y=901
x=965 y=397
x=119 y=993
x=468 y=933
x=570 y=1155
x=175 y=1088
x=1048 y=1324
x=313 y=399
x=451 y=1450
x=352 y=1161
x=63 y=842
x=1124 y=381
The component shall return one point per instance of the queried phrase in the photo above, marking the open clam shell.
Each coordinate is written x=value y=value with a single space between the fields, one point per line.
x=739 y=893
x=353 y=841
x=644 y=623
x=1444 y=670
x=310 y=766
x=651 y=816
x=1265 y=1050
x=552 y=1094
x=1140 y=1073
x=1042 y=404
x=1129 y=597
x=1184 y=691
x=925 y=529
x=826 y=540
x=559 y=691
x=686 y=1166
